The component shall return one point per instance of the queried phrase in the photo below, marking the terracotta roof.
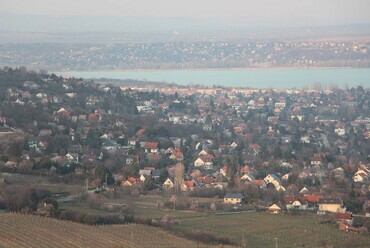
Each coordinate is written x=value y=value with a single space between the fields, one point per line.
x=189 y=183
x=259 y=182
x=313 y=198
x=289 y=199
x=245 y=169
x=195 y=174
x=140 y=132
x=238 y=129
x=151 y=145
x=340 y=124
x=91 y=156
x=343 y=216
x=93 y=116
x=178 y=154
x=254 y=146
x=133 y=179
x=316 y=158
x=207 y=158
x=206 y=180
x=351 y=166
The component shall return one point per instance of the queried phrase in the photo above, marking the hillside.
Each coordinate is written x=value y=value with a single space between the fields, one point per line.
x=32 y=231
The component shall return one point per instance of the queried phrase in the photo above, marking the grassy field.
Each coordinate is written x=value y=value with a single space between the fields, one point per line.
x=142 y=207
x=41 y=182
x=32 y=231
x=260 y=229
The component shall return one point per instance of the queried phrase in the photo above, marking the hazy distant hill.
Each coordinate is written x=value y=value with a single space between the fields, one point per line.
x=38 y=28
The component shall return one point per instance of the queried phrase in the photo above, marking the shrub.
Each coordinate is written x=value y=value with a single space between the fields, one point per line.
x=363 y=230
x=206 y=238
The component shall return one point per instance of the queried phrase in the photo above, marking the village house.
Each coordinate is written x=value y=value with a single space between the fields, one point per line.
x=205 y=161
x=205 y=181
x=312 y=200
x=340 y=129
x=72 y=157
x=280 y=105
x=361 y=176
x=45 y=132
x=151 y=147
x=316 y=160
x=295 y=203
x=254 y=148
x=247 y=177
x=273 y=179
x=223 y=170
x=274 y=208
x=333 y=205
x=168 y=184
x=234 y=198
x=11 y=164
x=345 y=218
x=2 y=121
x=32 y=144
x=147 y=171
x=347 y=227
x=110 y=145
x=133 y=142
x=177 y=155
x=131 y=181
x=187 y=186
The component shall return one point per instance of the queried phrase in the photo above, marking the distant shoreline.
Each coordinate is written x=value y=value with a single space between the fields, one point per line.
x=211 y=69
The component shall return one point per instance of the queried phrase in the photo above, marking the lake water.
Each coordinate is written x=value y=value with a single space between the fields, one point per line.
x=263 y=78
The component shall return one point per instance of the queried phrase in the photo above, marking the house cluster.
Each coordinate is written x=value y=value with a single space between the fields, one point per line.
x=291 y=142
x=206 y=54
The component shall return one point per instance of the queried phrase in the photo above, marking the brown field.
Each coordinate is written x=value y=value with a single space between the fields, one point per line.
x=18 y=230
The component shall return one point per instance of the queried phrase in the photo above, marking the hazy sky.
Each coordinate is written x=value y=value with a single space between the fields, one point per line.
x=305 y=11
x=322 y=9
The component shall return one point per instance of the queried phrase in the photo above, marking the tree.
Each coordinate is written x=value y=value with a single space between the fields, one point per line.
x=93 y=138
x=19 y=197
x=208 y=119
x=212 y=104
x=163 y=175
x=149 y=184
x=104 y=174
x=16 y=148
x=354 y=205
x=179 y=176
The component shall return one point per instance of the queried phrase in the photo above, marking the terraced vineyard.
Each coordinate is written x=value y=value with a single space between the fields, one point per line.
x=33 y=231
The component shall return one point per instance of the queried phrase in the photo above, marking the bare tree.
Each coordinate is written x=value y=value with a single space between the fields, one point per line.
x=179 y=176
